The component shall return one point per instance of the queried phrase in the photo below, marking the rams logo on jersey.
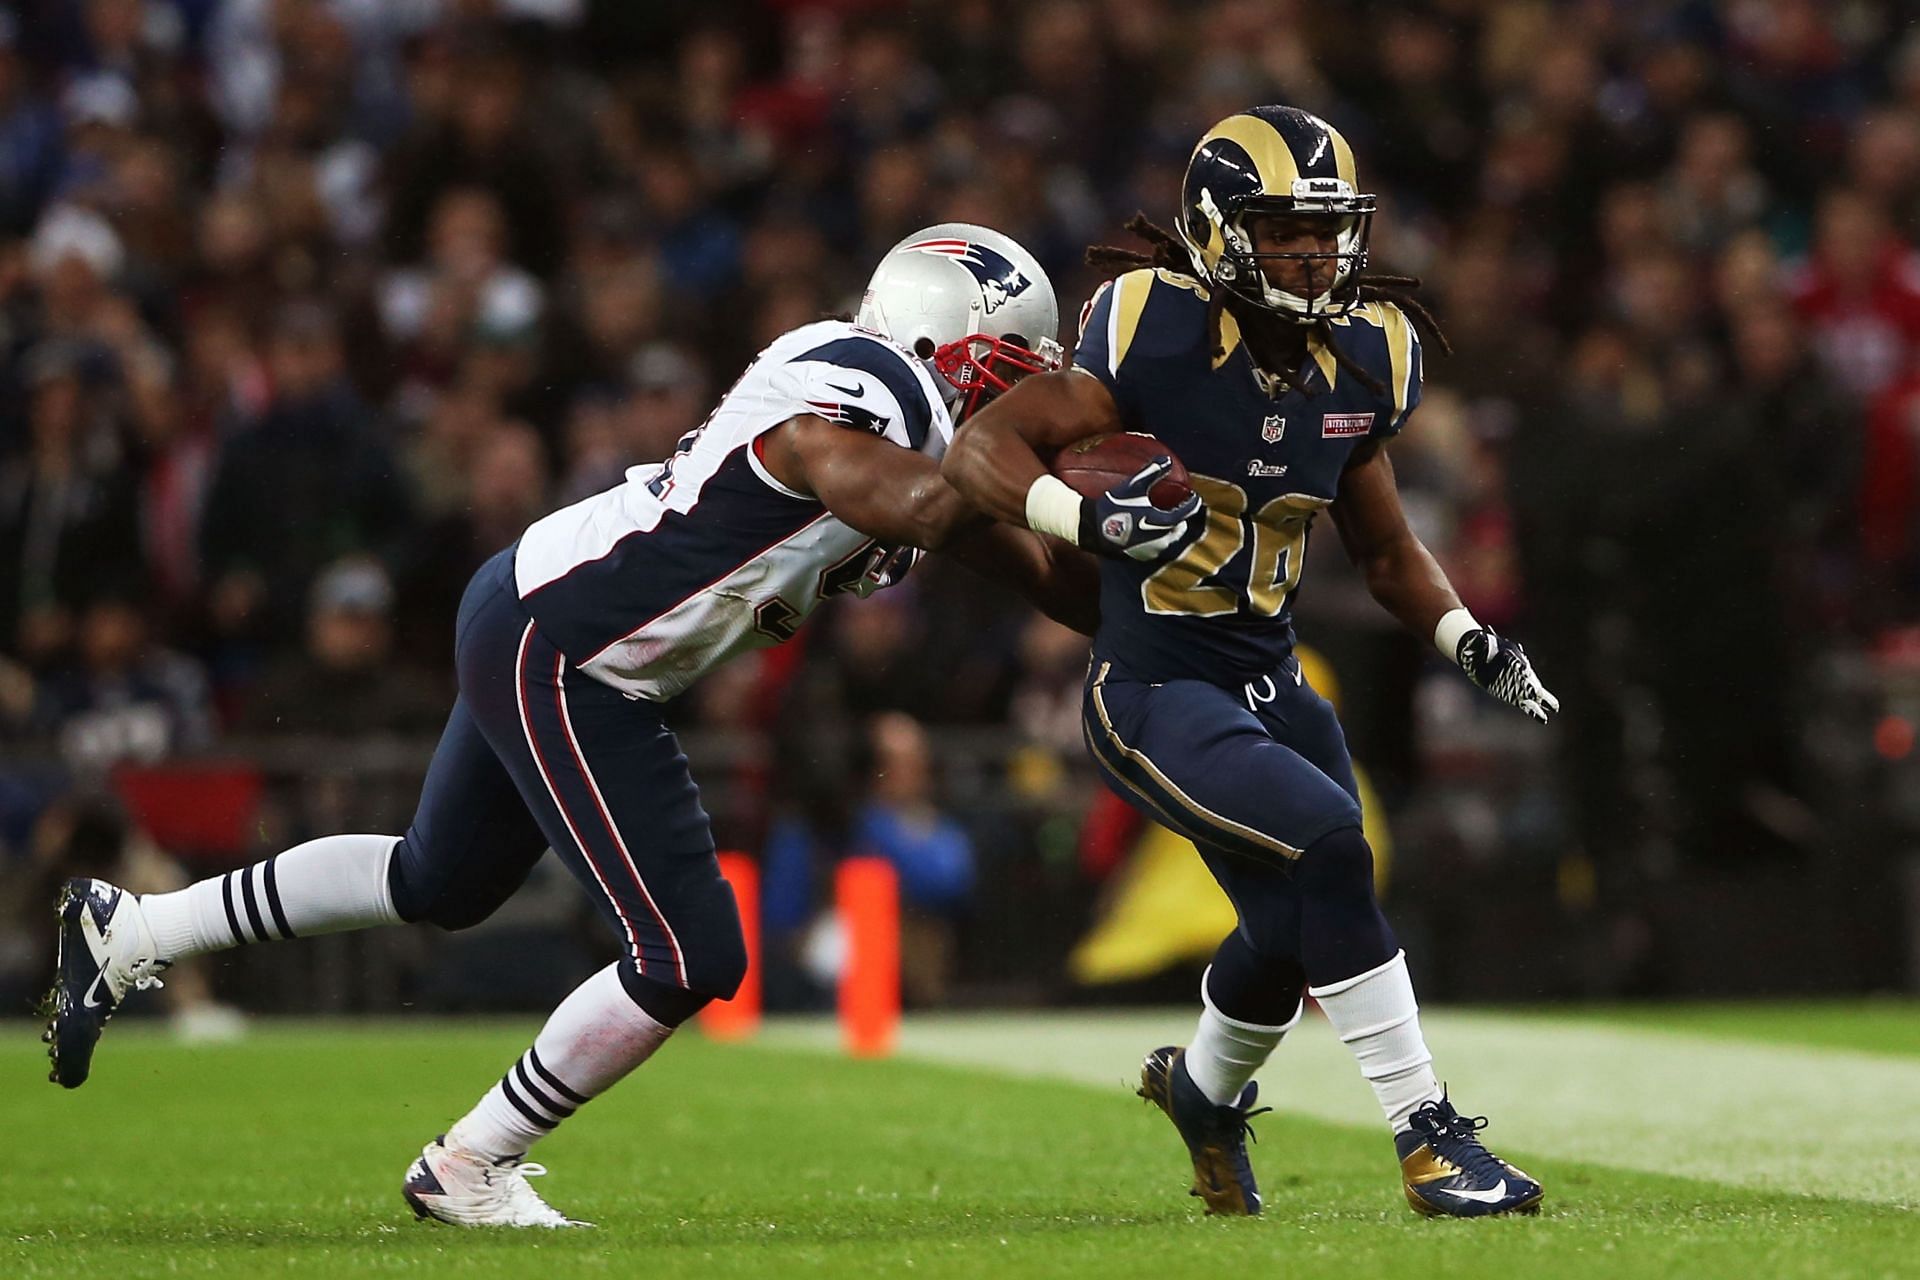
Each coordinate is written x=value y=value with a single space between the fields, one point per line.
x=999 y=279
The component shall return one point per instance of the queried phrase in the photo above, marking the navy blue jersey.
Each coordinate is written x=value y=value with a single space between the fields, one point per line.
x=1220 y=609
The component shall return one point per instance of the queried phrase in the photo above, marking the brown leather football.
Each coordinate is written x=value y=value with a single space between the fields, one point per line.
x=1098 y=463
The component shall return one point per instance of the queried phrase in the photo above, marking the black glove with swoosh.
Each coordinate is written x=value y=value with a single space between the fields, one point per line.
x=1501 y=668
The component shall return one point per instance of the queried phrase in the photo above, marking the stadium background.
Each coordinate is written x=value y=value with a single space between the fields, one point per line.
x=306 y=308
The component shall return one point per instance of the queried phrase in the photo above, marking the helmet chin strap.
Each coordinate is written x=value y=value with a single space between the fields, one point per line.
x=1280 y=304
x=1288 y=306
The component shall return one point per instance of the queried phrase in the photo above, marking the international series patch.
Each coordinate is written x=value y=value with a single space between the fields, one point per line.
x=1335 y=425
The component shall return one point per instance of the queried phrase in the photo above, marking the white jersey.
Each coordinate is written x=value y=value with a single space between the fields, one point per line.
x=654 y=582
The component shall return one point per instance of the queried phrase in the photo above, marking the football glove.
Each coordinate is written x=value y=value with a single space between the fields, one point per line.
x=891 y=564
x=1124 y=522
x=1501 y=668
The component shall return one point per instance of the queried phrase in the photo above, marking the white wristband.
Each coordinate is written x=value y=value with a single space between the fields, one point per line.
x=1053 y=507
x=1455 y=624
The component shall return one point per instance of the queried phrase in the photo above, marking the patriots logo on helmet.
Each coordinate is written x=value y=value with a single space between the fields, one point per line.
x=999 y=279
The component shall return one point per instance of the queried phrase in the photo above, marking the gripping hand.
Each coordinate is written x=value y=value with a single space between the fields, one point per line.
x=1501 y=668
x=1124 y=522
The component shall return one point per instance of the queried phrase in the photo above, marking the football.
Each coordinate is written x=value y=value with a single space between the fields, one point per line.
x=1096 y=464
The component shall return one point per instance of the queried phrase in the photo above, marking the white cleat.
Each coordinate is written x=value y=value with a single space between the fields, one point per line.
x=469 y=1190
x=106 y=950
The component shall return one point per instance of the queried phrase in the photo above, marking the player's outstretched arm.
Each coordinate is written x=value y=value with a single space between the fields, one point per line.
x=898 y=496
x=1410 y=584
x=885 y=491
x=1400 y=572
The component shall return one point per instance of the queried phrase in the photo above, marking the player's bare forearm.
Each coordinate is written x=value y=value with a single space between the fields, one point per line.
x=1410 y=584
x=1002 y=450
x=1399 y=570
x=1061 y=581
x=885 y=491
x=1404 y=577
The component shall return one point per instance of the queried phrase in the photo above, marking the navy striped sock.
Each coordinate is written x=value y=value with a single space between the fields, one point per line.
x=596 y=1036
x=323 y=886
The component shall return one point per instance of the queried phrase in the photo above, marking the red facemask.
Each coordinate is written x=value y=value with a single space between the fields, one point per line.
x=983 y=367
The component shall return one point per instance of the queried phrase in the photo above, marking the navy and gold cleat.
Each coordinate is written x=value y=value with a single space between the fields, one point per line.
x=1216 y=1136
x=106 y=950
x=1448 y=1173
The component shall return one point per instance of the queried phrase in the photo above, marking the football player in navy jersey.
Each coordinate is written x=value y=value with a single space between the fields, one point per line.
x=817 y=474
x=1257 y=348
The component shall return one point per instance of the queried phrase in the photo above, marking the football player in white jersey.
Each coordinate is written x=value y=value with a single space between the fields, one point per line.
x=817 y=473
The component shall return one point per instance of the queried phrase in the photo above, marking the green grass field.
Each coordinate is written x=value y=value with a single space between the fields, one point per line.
x=1751 y=1142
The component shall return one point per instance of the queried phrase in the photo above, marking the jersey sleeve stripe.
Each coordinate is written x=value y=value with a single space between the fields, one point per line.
x=889 y=366
x=1130 y=293
x=1399 y=336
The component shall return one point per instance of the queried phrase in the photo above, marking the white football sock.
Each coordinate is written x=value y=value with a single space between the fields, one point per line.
x=596 y=1036
x=1225 y=1052
x=1376 y=1016
x=323 y=886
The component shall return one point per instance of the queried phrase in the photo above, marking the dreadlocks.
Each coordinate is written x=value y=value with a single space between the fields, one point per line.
x=1168 y=253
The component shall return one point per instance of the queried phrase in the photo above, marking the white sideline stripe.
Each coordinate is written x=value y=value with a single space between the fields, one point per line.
x=1829 y=1122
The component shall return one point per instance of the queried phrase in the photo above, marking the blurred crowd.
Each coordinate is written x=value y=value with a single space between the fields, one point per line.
x=308 y=306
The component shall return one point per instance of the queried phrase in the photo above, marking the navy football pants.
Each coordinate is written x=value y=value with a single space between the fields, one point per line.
x=538 y=755
x=1259 y=779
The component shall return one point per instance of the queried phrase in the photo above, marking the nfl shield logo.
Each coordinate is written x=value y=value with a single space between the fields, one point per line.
x=1273 y=428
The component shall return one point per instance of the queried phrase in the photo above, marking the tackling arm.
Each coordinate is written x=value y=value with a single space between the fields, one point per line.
x=898 y=496
x=875 y=486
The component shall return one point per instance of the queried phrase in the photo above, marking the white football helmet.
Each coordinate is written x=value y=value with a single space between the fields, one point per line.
x=972 y=303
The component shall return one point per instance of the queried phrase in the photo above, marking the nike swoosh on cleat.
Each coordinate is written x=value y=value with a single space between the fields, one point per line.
x=92 y=987
x=856 y=390
x=1492 y=1195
